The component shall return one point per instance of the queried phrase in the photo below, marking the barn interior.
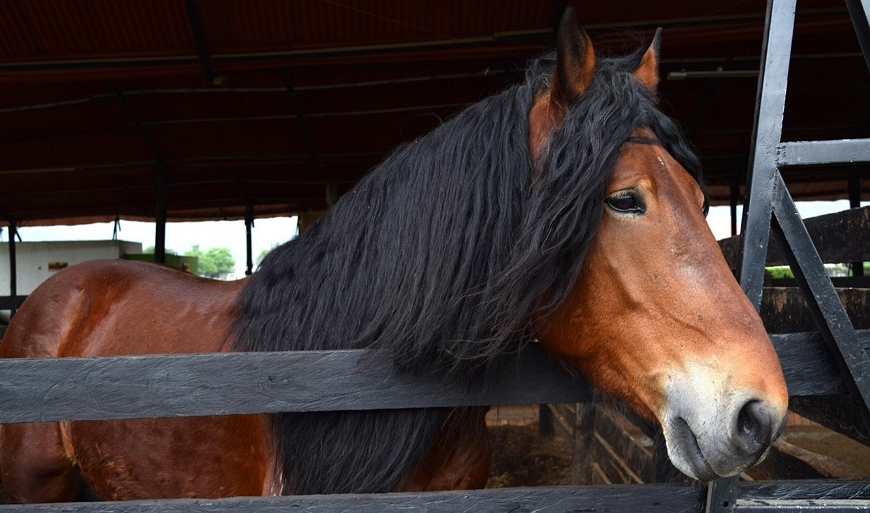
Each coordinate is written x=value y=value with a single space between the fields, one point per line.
x=190 y=110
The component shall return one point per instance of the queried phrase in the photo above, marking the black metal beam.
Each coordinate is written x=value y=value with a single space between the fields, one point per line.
x=734 y=197
x=855 y=202
x=722 y=495
x=807 y=153
x=766 y=135
x=13 y=267
x=304 y=129
x=249 y=223
x=161 y=189
x=709 y=94
x=129 y=193
x=859 y=16
x=200 y=41
x=828 y=310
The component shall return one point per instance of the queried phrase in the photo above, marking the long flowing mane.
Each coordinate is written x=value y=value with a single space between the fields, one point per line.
x=442 y=258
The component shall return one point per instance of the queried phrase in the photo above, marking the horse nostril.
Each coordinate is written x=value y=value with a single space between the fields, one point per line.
x=753 y=427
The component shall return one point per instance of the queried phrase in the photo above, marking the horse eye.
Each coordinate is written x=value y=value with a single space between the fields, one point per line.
x=625 y=203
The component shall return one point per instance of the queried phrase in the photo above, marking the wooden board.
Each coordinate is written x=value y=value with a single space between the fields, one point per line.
x=542 y=499
x=785 y=309
x=787 y=461
x=42 y=389
x=839 y=238
x=667 y=498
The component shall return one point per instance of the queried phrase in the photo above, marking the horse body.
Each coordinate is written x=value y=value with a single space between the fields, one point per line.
x=124 y=308
x=116 y=307
x=567 y=209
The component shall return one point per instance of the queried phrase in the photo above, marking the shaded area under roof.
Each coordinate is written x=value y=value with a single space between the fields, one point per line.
x=272 y=104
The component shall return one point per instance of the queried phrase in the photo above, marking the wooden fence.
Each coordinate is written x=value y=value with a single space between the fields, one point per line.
x=33 y=390
x=45 y=389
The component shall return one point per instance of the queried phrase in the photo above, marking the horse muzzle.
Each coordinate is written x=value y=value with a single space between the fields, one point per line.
x=720 y=438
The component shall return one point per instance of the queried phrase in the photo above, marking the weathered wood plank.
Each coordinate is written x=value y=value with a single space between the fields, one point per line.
x=841 y=282
x=839 y=238
x=808 y=367
x=803 y=490
x=800 y=496
x=42 y=389
x=561 y=427
x=756 y=496
x=787 y=461
x=666 y=499
x=634 y=456
x=39 y=389
x=785 y=309
x=618 y=468
x=803 y=506
x=836 y=412
x=582 y=463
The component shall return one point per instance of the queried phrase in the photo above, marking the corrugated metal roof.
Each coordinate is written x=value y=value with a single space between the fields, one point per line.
x=366 y=76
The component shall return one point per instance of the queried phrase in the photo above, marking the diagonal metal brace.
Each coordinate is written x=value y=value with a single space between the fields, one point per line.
x=828 y=310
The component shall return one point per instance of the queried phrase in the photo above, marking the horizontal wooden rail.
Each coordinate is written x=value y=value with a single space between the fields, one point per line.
x=37 y=389
x=667 y=498
x=802 y=496
x=44 y=389
x=550 y=499
x=840 y=237
x=785 y=309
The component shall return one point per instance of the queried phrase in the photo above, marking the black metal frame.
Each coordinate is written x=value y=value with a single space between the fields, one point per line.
x=770 y=209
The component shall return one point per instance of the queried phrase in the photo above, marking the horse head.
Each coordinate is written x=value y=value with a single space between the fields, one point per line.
x=656 y=318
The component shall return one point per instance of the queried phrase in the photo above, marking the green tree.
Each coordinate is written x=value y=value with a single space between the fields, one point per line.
x=150 y=251
x=214 y=262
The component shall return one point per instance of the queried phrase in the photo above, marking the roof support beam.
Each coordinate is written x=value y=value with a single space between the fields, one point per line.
x=308 y=140
x=13 y=267
x=304 y=129
x=199 y=39
x=249 y=223
x=161 y=190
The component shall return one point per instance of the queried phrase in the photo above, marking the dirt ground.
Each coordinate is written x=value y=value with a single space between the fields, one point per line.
x=520 y=457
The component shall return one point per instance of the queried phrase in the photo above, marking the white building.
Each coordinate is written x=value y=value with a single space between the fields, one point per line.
x=37 y=261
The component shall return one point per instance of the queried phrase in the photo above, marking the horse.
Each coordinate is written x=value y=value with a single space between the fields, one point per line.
x=567 y=210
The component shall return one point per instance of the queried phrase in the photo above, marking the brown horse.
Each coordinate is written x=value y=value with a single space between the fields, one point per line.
x=567 y=209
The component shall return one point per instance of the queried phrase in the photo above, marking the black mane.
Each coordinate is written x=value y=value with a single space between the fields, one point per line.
x=439 y=258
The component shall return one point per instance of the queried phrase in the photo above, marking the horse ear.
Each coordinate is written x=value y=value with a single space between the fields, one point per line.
x=647 y=72
x=575 y=61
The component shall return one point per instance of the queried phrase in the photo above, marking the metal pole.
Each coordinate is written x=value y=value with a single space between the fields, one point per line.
x=249 y=223
x=735 y=192
x=766 y=135
x=13 y=271
x=160 y=217
x=855 y=202
x=762 y=174
x=858 y=12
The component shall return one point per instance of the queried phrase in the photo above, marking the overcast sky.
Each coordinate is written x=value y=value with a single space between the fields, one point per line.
x=269 y=232
x=180 y=237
